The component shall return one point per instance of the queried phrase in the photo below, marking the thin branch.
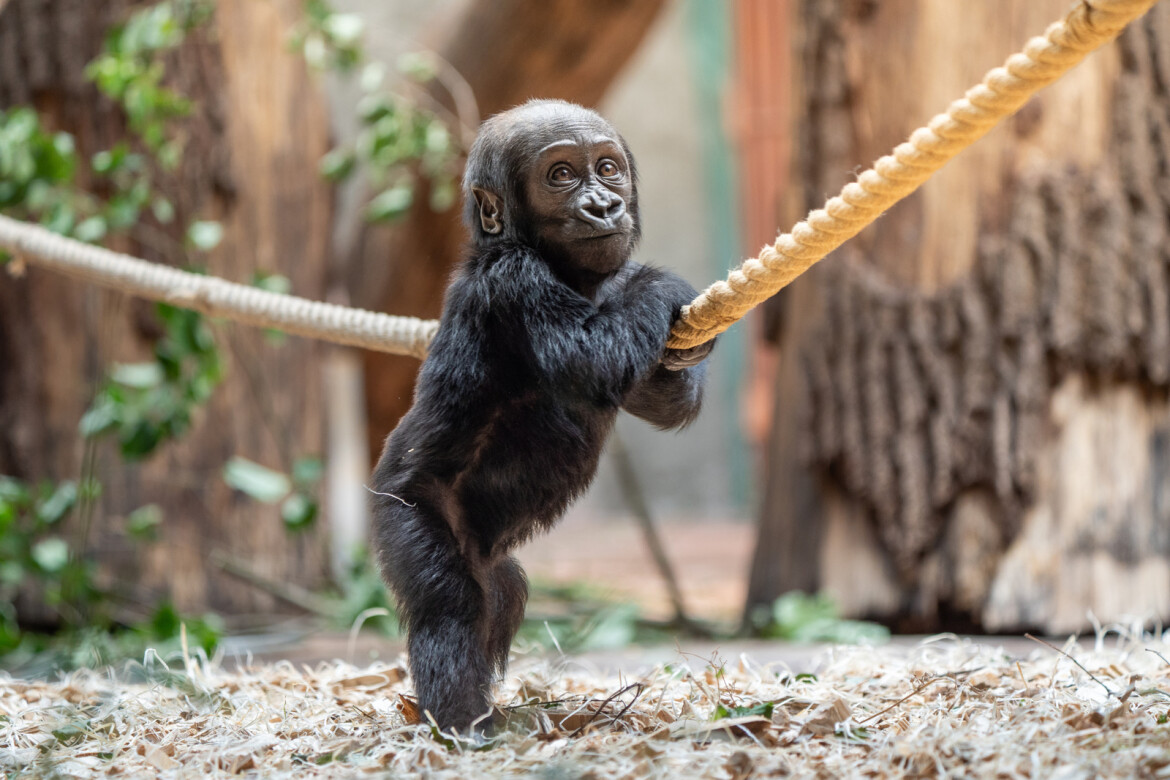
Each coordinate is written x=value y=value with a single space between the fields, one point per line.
x=632 y=492
x=285 y=591
x=1092 y=676
x=952 y=676
x=905 y=698
x=1155 y=652
x=606 y=702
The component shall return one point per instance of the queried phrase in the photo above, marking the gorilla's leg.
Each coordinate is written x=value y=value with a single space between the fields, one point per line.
x=509 y=594
x=442 y=608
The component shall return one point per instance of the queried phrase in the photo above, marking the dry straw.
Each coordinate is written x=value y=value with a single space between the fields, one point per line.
x=944 y=708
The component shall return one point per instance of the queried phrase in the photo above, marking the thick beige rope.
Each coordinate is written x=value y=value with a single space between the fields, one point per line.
x=216 y=297
x=1089 y=25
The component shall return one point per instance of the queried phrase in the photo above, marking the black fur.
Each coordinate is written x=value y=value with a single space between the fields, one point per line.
x=512 y=409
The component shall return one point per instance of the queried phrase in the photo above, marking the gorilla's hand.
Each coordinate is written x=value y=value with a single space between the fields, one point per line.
x=678 y=359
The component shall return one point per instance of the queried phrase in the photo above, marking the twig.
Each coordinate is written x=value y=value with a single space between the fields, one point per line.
x=632 y=492
x=633 y=699
x=1155 y=652
x=908 y=696
x=608 y=700
x=368 y=715
x=1092 y=676
x=287 y=592
x=526 y=704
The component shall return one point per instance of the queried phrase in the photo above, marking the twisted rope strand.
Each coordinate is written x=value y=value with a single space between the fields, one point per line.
x=217 y=297
x=1088 y=26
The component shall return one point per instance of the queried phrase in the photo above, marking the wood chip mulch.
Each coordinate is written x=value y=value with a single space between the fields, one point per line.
x=946 y=708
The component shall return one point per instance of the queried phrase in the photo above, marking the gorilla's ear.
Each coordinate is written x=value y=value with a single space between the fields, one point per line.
x=491 y=210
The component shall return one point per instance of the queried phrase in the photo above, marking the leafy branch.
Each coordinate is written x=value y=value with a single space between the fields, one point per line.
x=400 y=141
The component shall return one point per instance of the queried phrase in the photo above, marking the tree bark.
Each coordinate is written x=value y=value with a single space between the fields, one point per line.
x=251 y=153
x=508 y=51
x=973 y=391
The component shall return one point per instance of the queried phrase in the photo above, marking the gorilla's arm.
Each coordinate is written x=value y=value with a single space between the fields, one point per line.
x=668 y=399
x=576 y=345
x=670 y=395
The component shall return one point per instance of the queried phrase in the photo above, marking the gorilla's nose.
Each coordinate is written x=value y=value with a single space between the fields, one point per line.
x=602 y=208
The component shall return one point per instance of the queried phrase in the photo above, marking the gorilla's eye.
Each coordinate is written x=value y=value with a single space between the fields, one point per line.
x=561 y=173
x=607 y=169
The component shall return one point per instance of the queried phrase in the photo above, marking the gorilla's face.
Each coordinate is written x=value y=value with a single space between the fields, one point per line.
x=571 y=190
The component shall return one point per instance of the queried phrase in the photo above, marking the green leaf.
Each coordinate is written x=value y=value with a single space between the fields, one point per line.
x=58 y=161
x=143 y=522
x=60 y=219
x=259 y=482
x=101 y=417
x=437 y=139
x=163 y=209
x=51 y=555
x=444 y=194
x=298 y=512
x=854 y=734
x=165 y=623
x=338 y=164
x=344 y=29
x=140 y=376
x=170 y=154
x=373 y=74
x=91 y=230
x=205 y=236
x=70 y=733
x=419 y=66
x=122 y=212
x=794 y=610
x=58 y=504
x=374 y=108
x=390 y=204
x=109 y=160
x=13 y=491
x=277 y=283
x=11 y=573
x=763 y=710
x=103 y=162
x=307 y=470
x=140 y=439
x=315 y=51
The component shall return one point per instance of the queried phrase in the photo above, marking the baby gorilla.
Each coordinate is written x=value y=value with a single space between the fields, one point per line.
x=547 y=330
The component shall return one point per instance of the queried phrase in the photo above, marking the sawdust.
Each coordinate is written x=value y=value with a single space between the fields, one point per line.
x=946 y=707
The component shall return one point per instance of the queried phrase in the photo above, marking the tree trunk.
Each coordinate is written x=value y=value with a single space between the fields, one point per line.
x=971 y=427
x=253 y=142
x=508 y=51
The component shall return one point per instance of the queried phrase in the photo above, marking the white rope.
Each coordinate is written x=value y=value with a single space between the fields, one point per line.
x=217 y=297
